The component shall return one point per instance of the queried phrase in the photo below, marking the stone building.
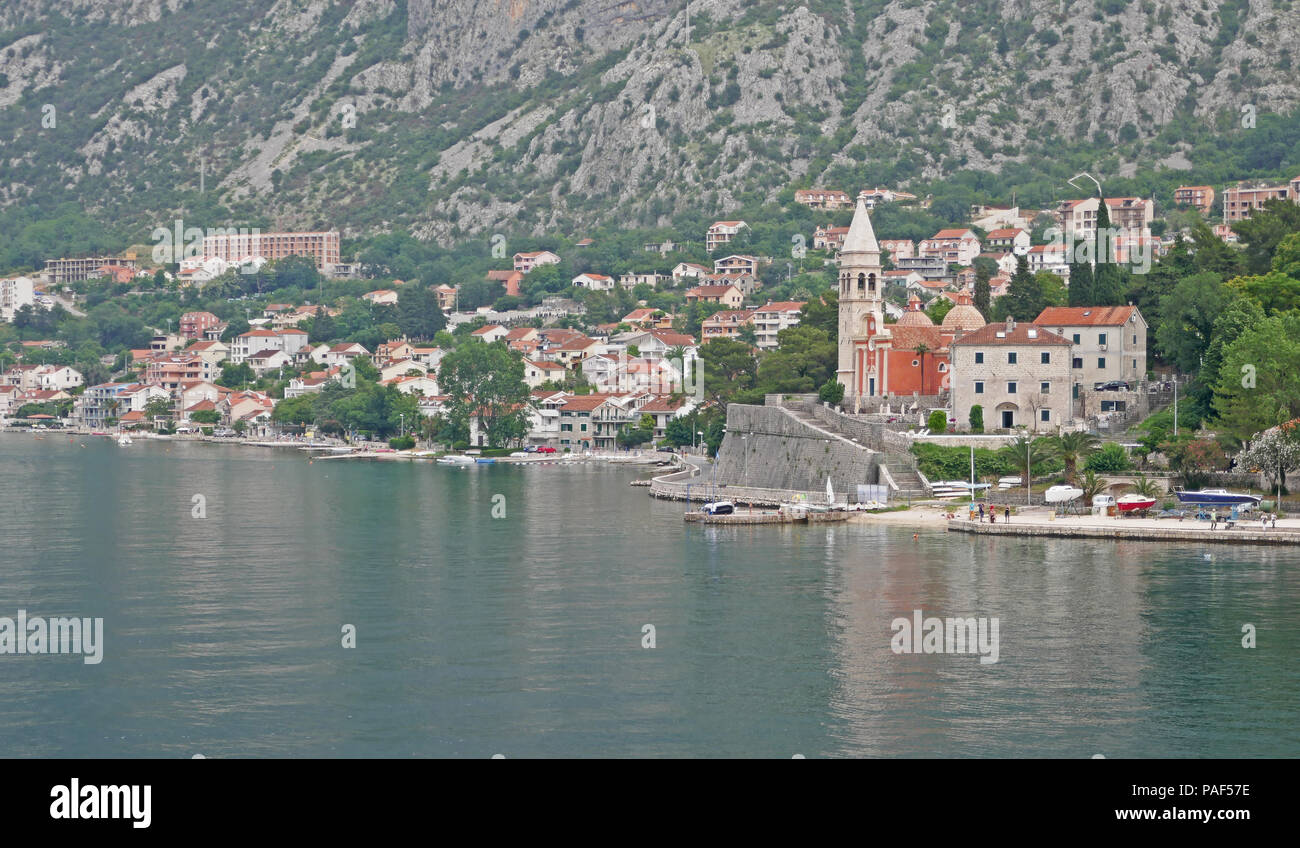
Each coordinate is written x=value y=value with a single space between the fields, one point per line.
x=1018 y=373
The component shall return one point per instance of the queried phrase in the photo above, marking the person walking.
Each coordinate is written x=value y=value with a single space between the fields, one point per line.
x=1214 y=518
x=1007 y=515
x=981 y=513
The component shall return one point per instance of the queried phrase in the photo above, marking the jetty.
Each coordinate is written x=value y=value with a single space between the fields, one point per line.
x=793 y=517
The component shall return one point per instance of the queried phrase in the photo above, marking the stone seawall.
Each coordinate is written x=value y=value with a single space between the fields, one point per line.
x=766 y=447
x=1239 y=535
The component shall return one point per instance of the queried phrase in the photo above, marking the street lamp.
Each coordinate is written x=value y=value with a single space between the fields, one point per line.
x=1089 y=176
x=402 y=420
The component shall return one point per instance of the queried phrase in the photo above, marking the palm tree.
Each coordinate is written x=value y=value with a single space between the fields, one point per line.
x=1024 y=452
x=1092 y=486
x=922 y=348
x=1145 y=487
x=1070 y=448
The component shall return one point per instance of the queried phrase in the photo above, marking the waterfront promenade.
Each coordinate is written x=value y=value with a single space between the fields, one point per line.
x=1038 y=523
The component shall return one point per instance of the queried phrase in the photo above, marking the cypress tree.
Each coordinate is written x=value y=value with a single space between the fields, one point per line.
x=1108 y=283
x=1024 y=295
x=983 y=292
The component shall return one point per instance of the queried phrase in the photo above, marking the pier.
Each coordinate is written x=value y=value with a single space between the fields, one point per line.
x=1165 y=530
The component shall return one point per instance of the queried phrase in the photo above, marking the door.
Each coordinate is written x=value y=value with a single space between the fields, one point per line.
x=1008 y=419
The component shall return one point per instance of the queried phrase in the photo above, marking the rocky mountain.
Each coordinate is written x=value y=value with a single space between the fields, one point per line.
x=459 y=117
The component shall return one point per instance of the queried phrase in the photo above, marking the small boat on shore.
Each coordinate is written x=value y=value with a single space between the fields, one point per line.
x=123 y=439
x=1215 y=497
x=1134 y=503
x=1062 y=494
x=1010 y=482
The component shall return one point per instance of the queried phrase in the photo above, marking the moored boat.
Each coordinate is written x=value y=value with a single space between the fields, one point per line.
x=455 y=459
x=1215 y=497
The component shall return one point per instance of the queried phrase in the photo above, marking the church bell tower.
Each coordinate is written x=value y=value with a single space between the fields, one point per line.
x=861 y=308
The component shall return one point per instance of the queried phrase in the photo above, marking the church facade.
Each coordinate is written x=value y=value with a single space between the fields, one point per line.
x=879 y=360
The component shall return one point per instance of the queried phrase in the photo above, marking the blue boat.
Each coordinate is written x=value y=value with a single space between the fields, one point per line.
x=485 y=460
x=1215 y=497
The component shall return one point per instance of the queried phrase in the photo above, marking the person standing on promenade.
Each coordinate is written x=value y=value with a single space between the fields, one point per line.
x=1007 y=515
x=981 y=513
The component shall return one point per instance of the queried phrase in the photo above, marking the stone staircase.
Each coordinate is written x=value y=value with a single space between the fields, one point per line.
x=901 y=467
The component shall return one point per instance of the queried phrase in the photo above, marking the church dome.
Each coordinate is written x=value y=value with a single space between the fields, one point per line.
x=964 y=316
x=917 y=319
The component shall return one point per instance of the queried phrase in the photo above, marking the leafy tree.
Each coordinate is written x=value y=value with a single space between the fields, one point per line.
x=209 y=416
x=977 y=419
x=939 y=309
x=1194 y=459
x=679 y=431
x=1259 y=380
x=1262 y=233
x=157 y=408
x=1081 y=286
x=832 y=392
x=235 y=375
x=938 y=421
x=486 y=380
x=1274 y=291
x=1187 y=318
x=728 y=368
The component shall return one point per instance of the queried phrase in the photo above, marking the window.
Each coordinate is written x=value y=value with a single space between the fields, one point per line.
x=1011 y=358
x=1113 y=406
x=584 y=428
x=1135 y=339
x=567 y=428
x=1011 y=388
x=1044 y=415
x=943 y=366
x=1077 y=362
x=1045 y=358
x=979 y=357
x=979 y=387
x=1101 y=338
x=1101 y=362
x=1045 y=388
x=1076 y=338
x=915 y=363
x=1135 y=365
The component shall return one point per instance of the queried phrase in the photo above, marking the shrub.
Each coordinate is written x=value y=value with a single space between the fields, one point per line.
x=401 y=442
x=938 y=421
x=1110 y=459
x=832 y=392
x=977 y=419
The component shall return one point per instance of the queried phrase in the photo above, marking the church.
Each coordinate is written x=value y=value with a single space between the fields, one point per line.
x=879 y=361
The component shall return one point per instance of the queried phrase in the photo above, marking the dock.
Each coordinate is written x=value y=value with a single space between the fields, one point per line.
x=800 y=517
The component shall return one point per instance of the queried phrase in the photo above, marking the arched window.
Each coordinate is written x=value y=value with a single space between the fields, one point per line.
x=862 y=282
x=871 y=283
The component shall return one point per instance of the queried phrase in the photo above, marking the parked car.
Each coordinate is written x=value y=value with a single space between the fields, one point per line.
x=718 y=508
x=1112 y=386
x=667 y=449
x=530 y=448
x=545 y=449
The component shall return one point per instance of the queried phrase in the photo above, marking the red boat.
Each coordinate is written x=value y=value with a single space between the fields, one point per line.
x=1135 y=503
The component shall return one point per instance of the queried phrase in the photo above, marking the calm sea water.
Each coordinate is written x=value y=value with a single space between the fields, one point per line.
x=522 y=635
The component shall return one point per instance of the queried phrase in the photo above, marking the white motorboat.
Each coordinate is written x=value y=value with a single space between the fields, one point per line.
x=456 y=459
x=123 y=439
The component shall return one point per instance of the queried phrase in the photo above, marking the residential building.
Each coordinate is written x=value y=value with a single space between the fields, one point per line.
x=15 y=293
x=829 y=238
x=490 y=333
x=1008 y=240
x=245 y=247
x=446 y=297
x=512 y=280
x=728 y=295
x=1200 y=198
x=194 y=323
x=1049 y=257
x=595 y=282
x=726 y=324
x=998 y=217
x=525 y=262
x=539 y=371
x=954 y=245
x=748 y=284
x=84 y=268
x=771 y=318
x=722 y=232
x=1241 y=201
x=381 y=297
x=820 y=198
x=1079 y=217
x=684 y=270
x=1109 y=343
x=1019 y=374
x=736 y=264
x=651 y=279
x=897 y=248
